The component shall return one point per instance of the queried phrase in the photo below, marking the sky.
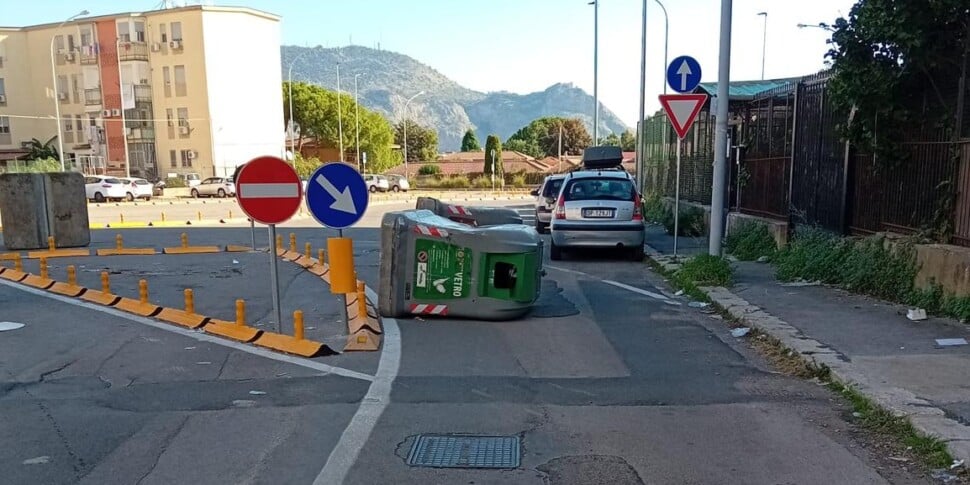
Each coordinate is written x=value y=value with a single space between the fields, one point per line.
x=524 y=46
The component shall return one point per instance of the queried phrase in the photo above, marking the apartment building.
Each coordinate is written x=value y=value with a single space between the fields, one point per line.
x=193 y=89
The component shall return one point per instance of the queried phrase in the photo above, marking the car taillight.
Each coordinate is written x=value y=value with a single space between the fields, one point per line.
x=561 y=208
x=637 y=208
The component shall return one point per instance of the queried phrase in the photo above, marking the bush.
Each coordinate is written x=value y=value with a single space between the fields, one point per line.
x=482 y=183
x=704 y=270
x=41 y=165
x=813 y=255
x=175 y=183
x=654 y=209
x=750 y=240
x=518 y=181
x=456 y=182
x=429 y=170
x=691 y=222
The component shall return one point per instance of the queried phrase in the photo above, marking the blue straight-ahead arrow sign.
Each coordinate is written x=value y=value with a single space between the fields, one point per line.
x=684 y=74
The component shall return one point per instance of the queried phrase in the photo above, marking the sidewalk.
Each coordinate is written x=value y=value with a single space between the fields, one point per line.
x=867 y=343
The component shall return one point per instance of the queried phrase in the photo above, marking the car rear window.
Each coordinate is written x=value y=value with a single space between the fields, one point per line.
x=599 y=189
x=112 y=181
x=551 y=188
x=142 y=182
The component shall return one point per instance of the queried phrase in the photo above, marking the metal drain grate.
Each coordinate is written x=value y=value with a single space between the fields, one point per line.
x=460 y=451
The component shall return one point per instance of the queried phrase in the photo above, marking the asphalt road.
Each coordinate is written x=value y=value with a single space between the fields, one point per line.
x=609 y=380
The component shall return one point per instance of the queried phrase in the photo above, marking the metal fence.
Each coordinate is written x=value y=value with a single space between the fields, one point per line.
x=697 y=156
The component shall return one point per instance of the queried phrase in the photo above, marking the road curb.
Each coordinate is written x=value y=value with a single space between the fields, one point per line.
x=922 y=414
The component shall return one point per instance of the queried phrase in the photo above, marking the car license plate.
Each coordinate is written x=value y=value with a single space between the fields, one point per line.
x=598 y=213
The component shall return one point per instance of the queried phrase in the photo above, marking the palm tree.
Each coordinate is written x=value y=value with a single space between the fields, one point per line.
x=39 y=150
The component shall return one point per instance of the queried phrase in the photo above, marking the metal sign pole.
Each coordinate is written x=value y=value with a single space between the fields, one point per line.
x=275 y=277
x=677 y=198
x=252 y=230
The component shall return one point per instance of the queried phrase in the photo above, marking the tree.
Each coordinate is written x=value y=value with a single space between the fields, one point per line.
x=540 y=138
x=611 y=140
x=493 y=143
x=894 y=61
x=315 y=113
x=470 y=142
x=422 y=141
x=38 y=150
x=628 y=141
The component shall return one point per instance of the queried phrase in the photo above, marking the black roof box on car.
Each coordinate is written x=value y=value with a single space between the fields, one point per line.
x=601 y=157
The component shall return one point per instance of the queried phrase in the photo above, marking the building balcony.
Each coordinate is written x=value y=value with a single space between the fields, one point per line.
x=92 y=97
x=88 y=54
x=133 y=51
x=141 y=134
x=143 y=93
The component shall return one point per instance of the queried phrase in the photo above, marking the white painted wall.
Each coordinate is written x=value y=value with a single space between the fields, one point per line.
x=243 y=80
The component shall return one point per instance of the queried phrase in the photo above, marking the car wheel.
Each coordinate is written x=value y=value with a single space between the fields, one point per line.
x=373 y=189
x=222 y=194
x=555 y=252
x=195 y=194
x=98 y=197
x=396 y=188
x=148 y=199
x=637 y=254
x=130 y=197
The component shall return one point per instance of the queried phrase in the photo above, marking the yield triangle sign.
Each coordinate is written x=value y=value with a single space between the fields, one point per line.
x=682 y=110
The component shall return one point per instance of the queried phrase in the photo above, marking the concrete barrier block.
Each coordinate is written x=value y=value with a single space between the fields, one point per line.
x=23 y=211
x=67 y=209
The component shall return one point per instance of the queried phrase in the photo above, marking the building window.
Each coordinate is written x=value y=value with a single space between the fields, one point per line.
x=76 y=89
x=173 y=161
x=68 y=124
x=140 y=31
x=59 y=43
x=87 y=37
x=4 y=125
x=124 y=31
x=186 y=158
x=70 y=43
x=167 y=80
x=183 y=114
x=162 y=34
x=3 y=90
x=79 y=127
x=180 y=80
x=176 y=30
x=62 y=88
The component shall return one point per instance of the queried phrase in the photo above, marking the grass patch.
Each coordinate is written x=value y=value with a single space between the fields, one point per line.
x=750 y=240
x=691 y=223
x=706 y=270
x=654 y=209
x=931 y=451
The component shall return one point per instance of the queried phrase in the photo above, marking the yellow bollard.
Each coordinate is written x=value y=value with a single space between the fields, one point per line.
x=241 y=313
x=308 y=251
x=343 y=278
x=71 y=275
x=43 y=268
x=298 y=325
x=143 y=291
x=122 y=218
x=119 y=242
x=18 y=264
x=105 y=283
x=361 y=300
x=189 y=301
x=320 y=255
x=185 y=240
x=279 y=241
x=163 y=217
x=230 y=214
x=293 y=242
x=50 y=244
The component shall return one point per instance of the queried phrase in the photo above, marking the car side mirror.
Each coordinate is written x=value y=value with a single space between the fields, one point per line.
x=535 y=192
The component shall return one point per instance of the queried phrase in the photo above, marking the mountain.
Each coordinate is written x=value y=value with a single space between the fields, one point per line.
x=387 y=79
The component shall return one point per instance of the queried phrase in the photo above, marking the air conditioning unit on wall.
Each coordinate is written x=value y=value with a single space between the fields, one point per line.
x=192 y=154
x=116 y=112
x=62 y=96
x=3 y=98
x=175 y=44
x=156 y=47
x=69 y=57
x=184 y=130
x=106 y=113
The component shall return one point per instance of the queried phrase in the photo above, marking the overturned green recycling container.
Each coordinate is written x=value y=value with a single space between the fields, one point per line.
x=433 y=266
x=478 y=216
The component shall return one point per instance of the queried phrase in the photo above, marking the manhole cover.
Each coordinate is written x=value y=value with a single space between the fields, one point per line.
x=458 y=451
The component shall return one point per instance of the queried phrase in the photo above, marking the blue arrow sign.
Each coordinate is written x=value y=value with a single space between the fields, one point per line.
x=336 y=195
x=684 y=74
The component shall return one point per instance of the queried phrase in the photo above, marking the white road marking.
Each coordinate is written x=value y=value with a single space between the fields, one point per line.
x=200 y=336
x=634 y=289
x=557 y=268
x=268 y=191
x=355 y=436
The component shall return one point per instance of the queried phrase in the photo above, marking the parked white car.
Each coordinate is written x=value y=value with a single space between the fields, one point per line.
x=376 y=183
x=398 y=183
x=100 y=188
x=215 y=187
x=137 y=188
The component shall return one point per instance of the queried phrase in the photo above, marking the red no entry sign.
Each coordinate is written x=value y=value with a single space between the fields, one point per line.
x=268 y=190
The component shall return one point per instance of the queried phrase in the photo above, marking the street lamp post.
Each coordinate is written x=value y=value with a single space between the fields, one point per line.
x=406 y=131
x=816 y=26
x=289 y=84
x=643 y=94
x=124 y=124
x=764 y=42
x=493 y=169
x=340 y=119
x=357 y=116
x=57 y=101
x=666 y=42
x=596 y=98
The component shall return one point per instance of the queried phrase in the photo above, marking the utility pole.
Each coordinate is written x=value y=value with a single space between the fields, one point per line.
x=596 y=96
x=764 y=42
x=340 y=121
x=643 y=93
x=357 y=117
x=721 y=131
